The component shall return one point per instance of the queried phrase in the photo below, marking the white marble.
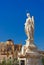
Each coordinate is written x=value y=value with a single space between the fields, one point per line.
x=29 y=26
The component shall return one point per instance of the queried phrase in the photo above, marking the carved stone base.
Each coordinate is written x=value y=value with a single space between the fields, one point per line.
x=33 y=61
x=30 y=61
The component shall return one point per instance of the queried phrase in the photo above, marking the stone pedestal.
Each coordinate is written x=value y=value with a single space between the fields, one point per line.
x=33 y=61
x=30 y=59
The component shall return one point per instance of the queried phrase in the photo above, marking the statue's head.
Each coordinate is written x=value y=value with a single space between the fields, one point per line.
x=28 y=14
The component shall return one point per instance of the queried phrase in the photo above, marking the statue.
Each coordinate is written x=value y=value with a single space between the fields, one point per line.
x=29 y=27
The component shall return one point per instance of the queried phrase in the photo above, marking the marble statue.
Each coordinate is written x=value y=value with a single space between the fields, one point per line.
x=29 y=26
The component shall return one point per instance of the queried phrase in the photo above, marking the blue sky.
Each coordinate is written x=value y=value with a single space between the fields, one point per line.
x=13 y=17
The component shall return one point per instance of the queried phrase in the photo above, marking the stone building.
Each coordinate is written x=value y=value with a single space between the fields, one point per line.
x=9 y=49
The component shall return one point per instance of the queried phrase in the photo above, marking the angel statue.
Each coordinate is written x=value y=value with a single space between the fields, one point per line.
x=29 y=26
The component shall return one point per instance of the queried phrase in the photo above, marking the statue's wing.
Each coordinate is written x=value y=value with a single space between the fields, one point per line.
x=33 y=19
x=33 y=22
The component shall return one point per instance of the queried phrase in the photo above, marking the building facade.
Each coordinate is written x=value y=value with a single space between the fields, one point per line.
x=9 y=49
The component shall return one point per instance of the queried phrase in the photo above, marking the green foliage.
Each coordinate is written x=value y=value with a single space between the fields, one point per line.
x=16 y=61
x=0 y=63
x=10 y=62
x=3 y=62
x=43 y=60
